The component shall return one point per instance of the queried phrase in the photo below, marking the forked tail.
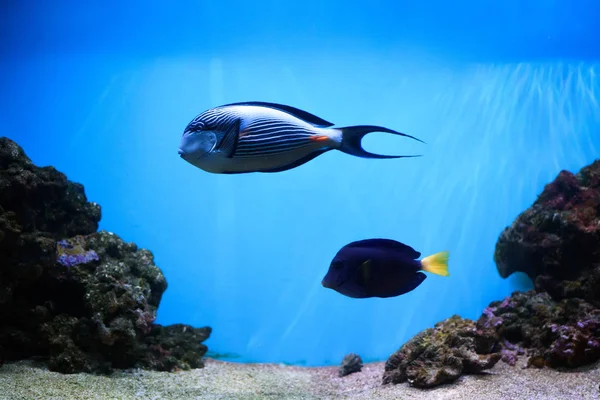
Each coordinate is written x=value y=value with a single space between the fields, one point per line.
x=352 y=137
x=436 y=263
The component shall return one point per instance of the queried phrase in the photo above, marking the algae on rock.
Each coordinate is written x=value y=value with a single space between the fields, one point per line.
x=442 y=354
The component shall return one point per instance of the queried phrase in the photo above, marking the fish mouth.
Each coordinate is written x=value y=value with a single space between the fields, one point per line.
x=330 y=285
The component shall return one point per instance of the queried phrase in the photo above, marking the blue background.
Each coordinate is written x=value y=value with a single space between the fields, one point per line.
x=504 y=93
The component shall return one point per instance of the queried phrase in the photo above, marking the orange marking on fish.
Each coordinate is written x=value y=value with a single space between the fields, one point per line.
x=319 y=138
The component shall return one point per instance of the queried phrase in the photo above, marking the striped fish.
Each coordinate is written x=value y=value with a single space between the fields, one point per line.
x=267 y=137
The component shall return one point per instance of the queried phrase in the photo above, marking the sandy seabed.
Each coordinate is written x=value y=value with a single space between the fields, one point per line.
x=226 y=380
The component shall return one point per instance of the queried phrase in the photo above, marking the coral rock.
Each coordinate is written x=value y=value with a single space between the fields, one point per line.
x=175 y=347
x=42 y=199
x=556 y=242
x=350 y=364
x=442 y=354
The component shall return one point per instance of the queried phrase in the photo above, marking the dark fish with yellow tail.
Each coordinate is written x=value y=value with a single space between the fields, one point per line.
x=267 y=137
x=380 y=268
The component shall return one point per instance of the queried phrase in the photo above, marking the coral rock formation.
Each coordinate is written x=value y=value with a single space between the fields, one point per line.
x=556 y=242
x=350 y=364
x=83 y=299
x=442 y=354
x=174 y=347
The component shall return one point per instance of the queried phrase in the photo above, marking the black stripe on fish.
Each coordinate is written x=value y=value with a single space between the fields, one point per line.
x=263 y=152
x=274 y=134
x=273 y=147
x=205 y=117
x=296 y=112
x=260 y=125
x=270 y=150
x=274 y=131
x=273 y=138
x=280 y=146
x=269 y=139
x=270 y=127
x=215 y=119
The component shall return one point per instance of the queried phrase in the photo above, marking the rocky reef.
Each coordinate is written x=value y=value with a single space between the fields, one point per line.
x=83 y=300
x=556 y=242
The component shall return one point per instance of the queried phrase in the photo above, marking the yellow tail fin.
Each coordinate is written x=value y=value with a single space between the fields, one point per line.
x=436 y=263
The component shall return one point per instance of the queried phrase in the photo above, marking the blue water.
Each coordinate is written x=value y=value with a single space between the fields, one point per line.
x=505 y=94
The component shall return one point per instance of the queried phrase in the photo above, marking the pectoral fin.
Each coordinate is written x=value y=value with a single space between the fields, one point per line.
x=229 y=142
x=365 y=271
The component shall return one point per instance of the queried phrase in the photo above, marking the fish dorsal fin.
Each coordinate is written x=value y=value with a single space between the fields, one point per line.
x=365 y=270
x=229 y=141
x=296 y=112
x=387 y=244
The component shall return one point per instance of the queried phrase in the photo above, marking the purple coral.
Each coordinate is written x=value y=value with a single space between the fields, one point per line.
x=507 y=303
x=492 y=321
x=70 y=252
x=509 y=357
x=588 y=324
x=65 y=244
x=489 y=312
x=70 y=260
x=510 y=352
x=144 y=320
x=576 y=344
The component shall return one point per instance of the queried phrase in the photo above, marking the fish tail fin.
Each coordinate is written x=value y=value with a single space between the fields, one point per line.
x=436 y=263
x=352 y=137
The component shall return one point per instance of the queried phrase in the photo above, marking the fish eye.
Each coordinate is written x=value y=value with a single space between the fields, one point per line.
x=193 y=127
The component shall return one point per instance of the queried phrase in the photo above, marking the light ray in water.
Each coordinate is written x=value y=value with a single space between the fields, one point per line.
x=89 y=119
